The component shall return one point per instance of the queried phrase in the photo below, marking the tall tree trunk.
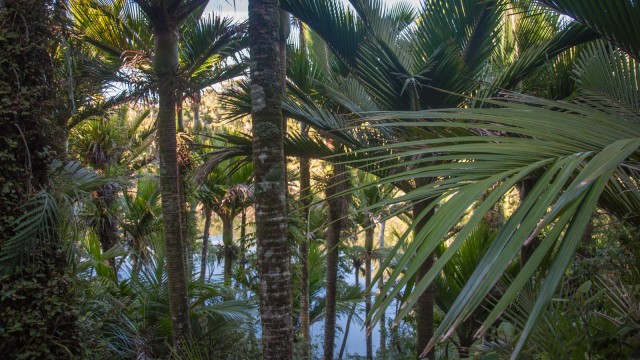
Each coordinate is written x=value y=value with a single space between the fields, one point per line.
x=305 y=198
x=337 y=210
x=184 y=166
x=243 y=235
x=166 y=68
x=424 y=305
x=270 y=184
x=227 y=240
x=106 y=226
x=39 y=314
x=205 y=242
x=356 y=273
x=179 y=112
x=285 y=29
x=383 y=325
x=196 y=114
x=368 y=249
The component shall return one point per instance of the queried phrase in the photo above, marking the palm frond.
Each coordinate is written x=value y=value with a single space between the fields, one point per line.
x=618 y=21
x=567 y=145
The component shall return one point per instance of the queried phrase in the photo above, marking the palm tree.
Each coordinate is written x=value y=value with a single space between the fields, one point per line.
x=372 y=59
x=407 y=70
x=165 y=18
x=367 y=216
x=116 y=145
x=207 y=50
x=355 y=254
x=142 y=220
x=578 y=169
x=270 y=181
x=226 y=191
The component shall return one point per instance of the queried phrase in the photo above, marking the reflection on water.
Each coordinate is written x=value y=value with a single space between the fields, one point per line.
x=356 y=341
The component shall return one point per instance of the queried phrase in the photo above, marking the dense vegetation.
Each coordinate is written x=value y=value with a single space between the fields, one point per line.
x=459 y=177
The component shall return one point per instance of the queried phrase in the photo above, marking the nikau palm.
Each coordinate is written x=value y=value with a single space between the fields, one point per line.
x=270 y=181
x=165 y=17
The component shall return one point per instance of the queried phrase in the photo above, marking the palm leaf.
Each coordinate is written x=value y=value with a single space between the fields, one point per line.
x=618 y=21
x=566 y=145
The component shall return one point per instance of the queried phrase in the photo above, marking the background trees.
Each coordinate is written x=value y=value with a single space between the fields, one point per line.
x=509 y=136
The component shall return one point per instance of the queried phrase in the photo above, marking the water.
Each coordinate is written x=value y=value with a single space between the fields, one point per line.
x=356 y=341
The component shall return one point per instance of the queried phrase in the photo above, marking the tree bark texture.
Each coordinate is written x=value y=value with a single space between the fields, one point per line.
x=337 y=211
x=205 y=242
x=368 y=249
x=106 y=225
x=305 y=198
x=356 y=273
x=227 y=240
x=284 y=30
x=270 y=185
x=166 y=68
x=383 y=319
x=424 y=306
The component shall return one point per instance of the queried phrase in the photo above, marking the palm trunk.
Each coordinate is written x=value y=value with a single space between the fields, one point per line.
x=196 y=115
x=424 y=305
x=205 y=242
x=305 y=198
x=337 y=210
x=383 y=325
x=106 y=227
x=243 y=235
x=166 y=67
x=356 y=273
x=185 y=213
x=270 y=185
x=180 y=112
x=368 y=248
x=285 y=28
x=227 y=240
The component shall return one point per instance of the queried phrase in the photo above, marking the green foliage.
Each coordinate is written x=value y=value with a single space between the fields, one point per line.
x=38 y=312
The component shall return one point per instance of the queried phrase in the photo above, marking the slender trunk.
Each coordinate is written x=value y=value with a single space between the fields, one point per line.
x=337 y=210
x=356 y=273
x=285 y=29
x=368 y=248
x=106 y=227
x=227 y=240
x=395 y=337
x=180 y=112
x=166 y=67
x=270 y=185
x=243 y=235
x=305 y=198
x=464 y=346
x=424 y=306
x=383 y=325
x=205 y=242
x=184 y=165
x=196 y=114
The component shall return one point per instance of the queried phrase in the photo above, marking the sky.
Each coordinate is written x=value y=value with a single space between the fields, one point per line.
x=239 y=11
